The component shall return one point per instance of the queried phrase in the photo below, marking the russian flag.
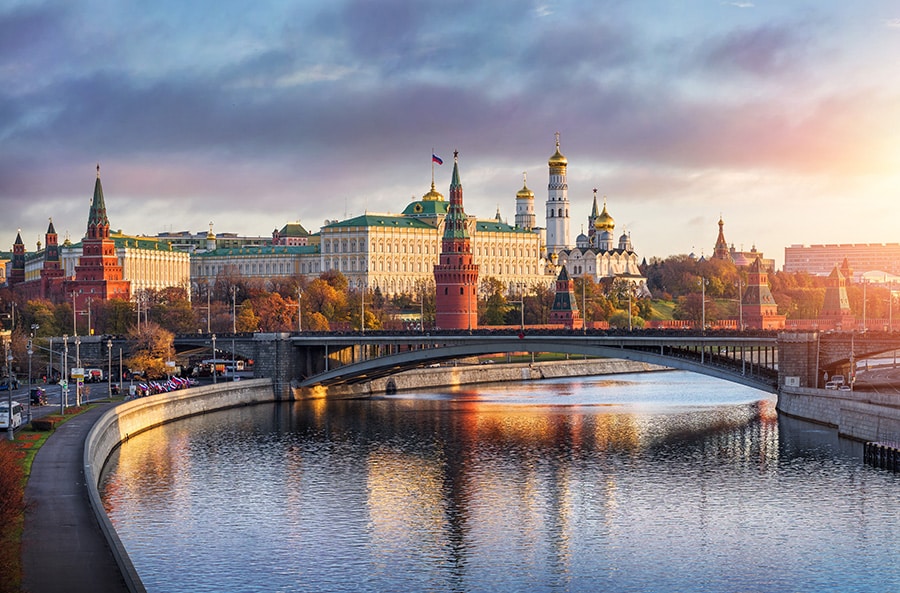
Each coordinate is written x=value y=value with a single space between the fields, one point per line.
x=436 y=159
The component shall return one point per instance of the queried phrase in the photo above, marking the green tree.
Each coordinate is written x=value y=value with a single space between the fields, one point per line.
x=493 y=306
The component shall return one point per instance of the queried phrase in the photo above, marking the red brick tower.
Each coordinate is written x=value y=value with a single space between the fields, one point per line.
x=759 y=307
x=836 y=313
x=456 y=274
x=98 y=274
x=565 y=310
x=17 y=266
x=52 y=272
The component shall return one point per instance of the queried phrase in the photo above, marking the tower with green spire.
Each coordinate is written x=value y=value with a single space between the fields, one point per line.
x=99 y=274
x=456 y=274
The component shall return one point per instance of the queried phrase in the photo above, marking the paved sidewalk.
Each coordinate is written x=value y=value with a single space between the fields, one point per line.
x=63 y=548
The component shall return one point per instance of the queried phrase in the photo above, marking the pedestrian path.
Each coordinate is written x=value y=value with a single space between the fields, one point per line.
x=63 y=548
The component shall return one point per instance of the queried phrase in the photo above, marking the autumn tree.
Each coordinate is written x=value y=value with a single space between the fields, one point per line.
x=274 y=313
x=151 y=347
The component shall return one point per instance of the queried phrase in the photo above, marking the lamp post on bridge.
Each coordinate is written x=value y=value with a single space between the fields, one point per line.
x=214 y=358
x=109 y=368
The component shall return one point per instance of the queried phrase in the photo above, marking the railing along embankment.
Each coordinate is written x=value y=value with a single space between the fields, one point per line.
x=136 y=416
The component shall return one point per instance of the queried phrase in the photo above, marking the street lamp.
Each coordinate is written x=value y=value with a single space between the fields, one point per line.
x=214 y=357
x=109 y=368
x=299 y=311
x=9 y=421
x=64 y=391
x=77 y=366
x=702 y=304
x=234 y=309
x=34 y=327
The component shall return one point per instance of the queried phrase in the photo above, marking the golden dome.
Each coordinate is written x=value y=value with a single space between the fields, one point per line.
x=604 y=222
x=558 y=159
x=524 y=193
x=433 y=195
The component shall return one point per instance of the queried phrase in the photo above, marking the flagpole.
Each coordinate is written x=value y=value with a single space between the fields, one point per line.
x=432 y=166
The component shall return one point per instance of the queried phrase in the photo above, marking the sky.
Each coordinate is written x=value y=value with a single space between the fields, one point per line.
x=781 y=117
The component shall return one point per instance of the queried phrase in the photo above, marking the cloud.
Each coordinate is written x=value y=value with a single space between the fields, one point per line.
x=764 y=51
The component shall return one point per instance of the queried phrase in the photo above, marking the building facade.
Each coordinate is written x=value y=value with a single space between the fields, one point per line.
x=863 y=257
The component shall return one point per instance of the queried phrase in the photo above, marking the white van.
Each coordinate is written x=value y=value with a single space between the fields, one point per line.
x=18 y=415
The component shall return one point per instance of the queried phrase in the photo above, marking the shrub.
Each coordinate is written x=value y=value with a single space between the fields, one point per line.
x=12 y=509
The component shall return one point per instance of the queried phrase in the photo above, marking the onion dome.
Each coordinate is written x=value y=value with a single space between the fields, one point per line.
x=433 y=195
x=524 y=193
x=582 y=241
x=558 y=160
x=604 y=222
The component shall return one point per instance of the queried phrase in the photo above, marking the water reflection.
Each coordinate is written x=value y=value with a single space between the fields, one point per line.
x=629 y=485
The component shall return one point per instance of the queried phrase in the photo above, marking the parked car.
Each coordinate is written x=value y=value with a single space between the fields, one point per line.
x=4 y=385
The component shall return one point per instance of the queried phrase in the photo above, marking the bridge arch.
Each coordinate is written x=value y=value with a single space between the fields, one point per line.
x=730 y=360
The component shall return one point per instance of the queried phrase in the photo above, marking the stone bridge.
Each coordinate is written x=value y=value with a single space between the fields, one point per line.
x=765 y=361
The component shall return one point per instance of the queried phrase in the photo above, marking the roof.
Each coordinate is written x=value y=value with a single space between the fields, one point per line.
x=426 y=208
x=293 y=229
x=496 y=226
x=382 y=220
x=259 y=251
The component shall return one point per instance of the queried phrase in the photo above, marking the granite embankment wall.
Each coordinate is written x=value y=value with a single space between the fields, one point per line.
x=859 y=415
x=136 y=416
x=454 y=376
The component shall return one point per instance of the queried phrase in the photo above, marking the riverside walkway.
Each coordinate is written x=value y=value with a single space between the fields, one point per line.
x=63 y=548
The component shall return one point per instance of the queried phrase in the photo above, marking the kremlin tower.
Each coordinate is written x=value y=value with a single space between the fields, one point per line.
x=759 y=308
x=565 y=310
x=99 y=274
x=456 y=274
x=557 y=204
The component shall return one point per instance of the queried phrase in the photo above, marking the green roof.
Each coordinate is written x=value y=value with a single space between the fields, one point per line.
x=293 y=229
x=495 y=226
x=426 y=208
x=261 y=250
x=380 y=220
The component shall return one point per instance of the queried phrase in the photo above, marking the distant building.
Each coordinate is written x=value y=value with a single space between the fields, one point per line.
x=598 y=255
x=863 y=257
x=739 y=258
x=292 y=234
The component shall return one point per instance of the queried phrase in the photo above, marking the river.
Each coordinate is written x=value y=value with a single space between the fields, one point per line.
x=655 y=482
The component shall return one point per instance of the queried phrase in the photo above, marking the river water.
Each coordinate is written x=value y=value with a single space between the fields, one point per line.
x=658 y=482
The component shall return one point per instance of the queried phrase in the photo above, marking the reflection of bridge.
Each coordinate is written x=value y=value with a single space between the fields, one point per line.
x=765 y=362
